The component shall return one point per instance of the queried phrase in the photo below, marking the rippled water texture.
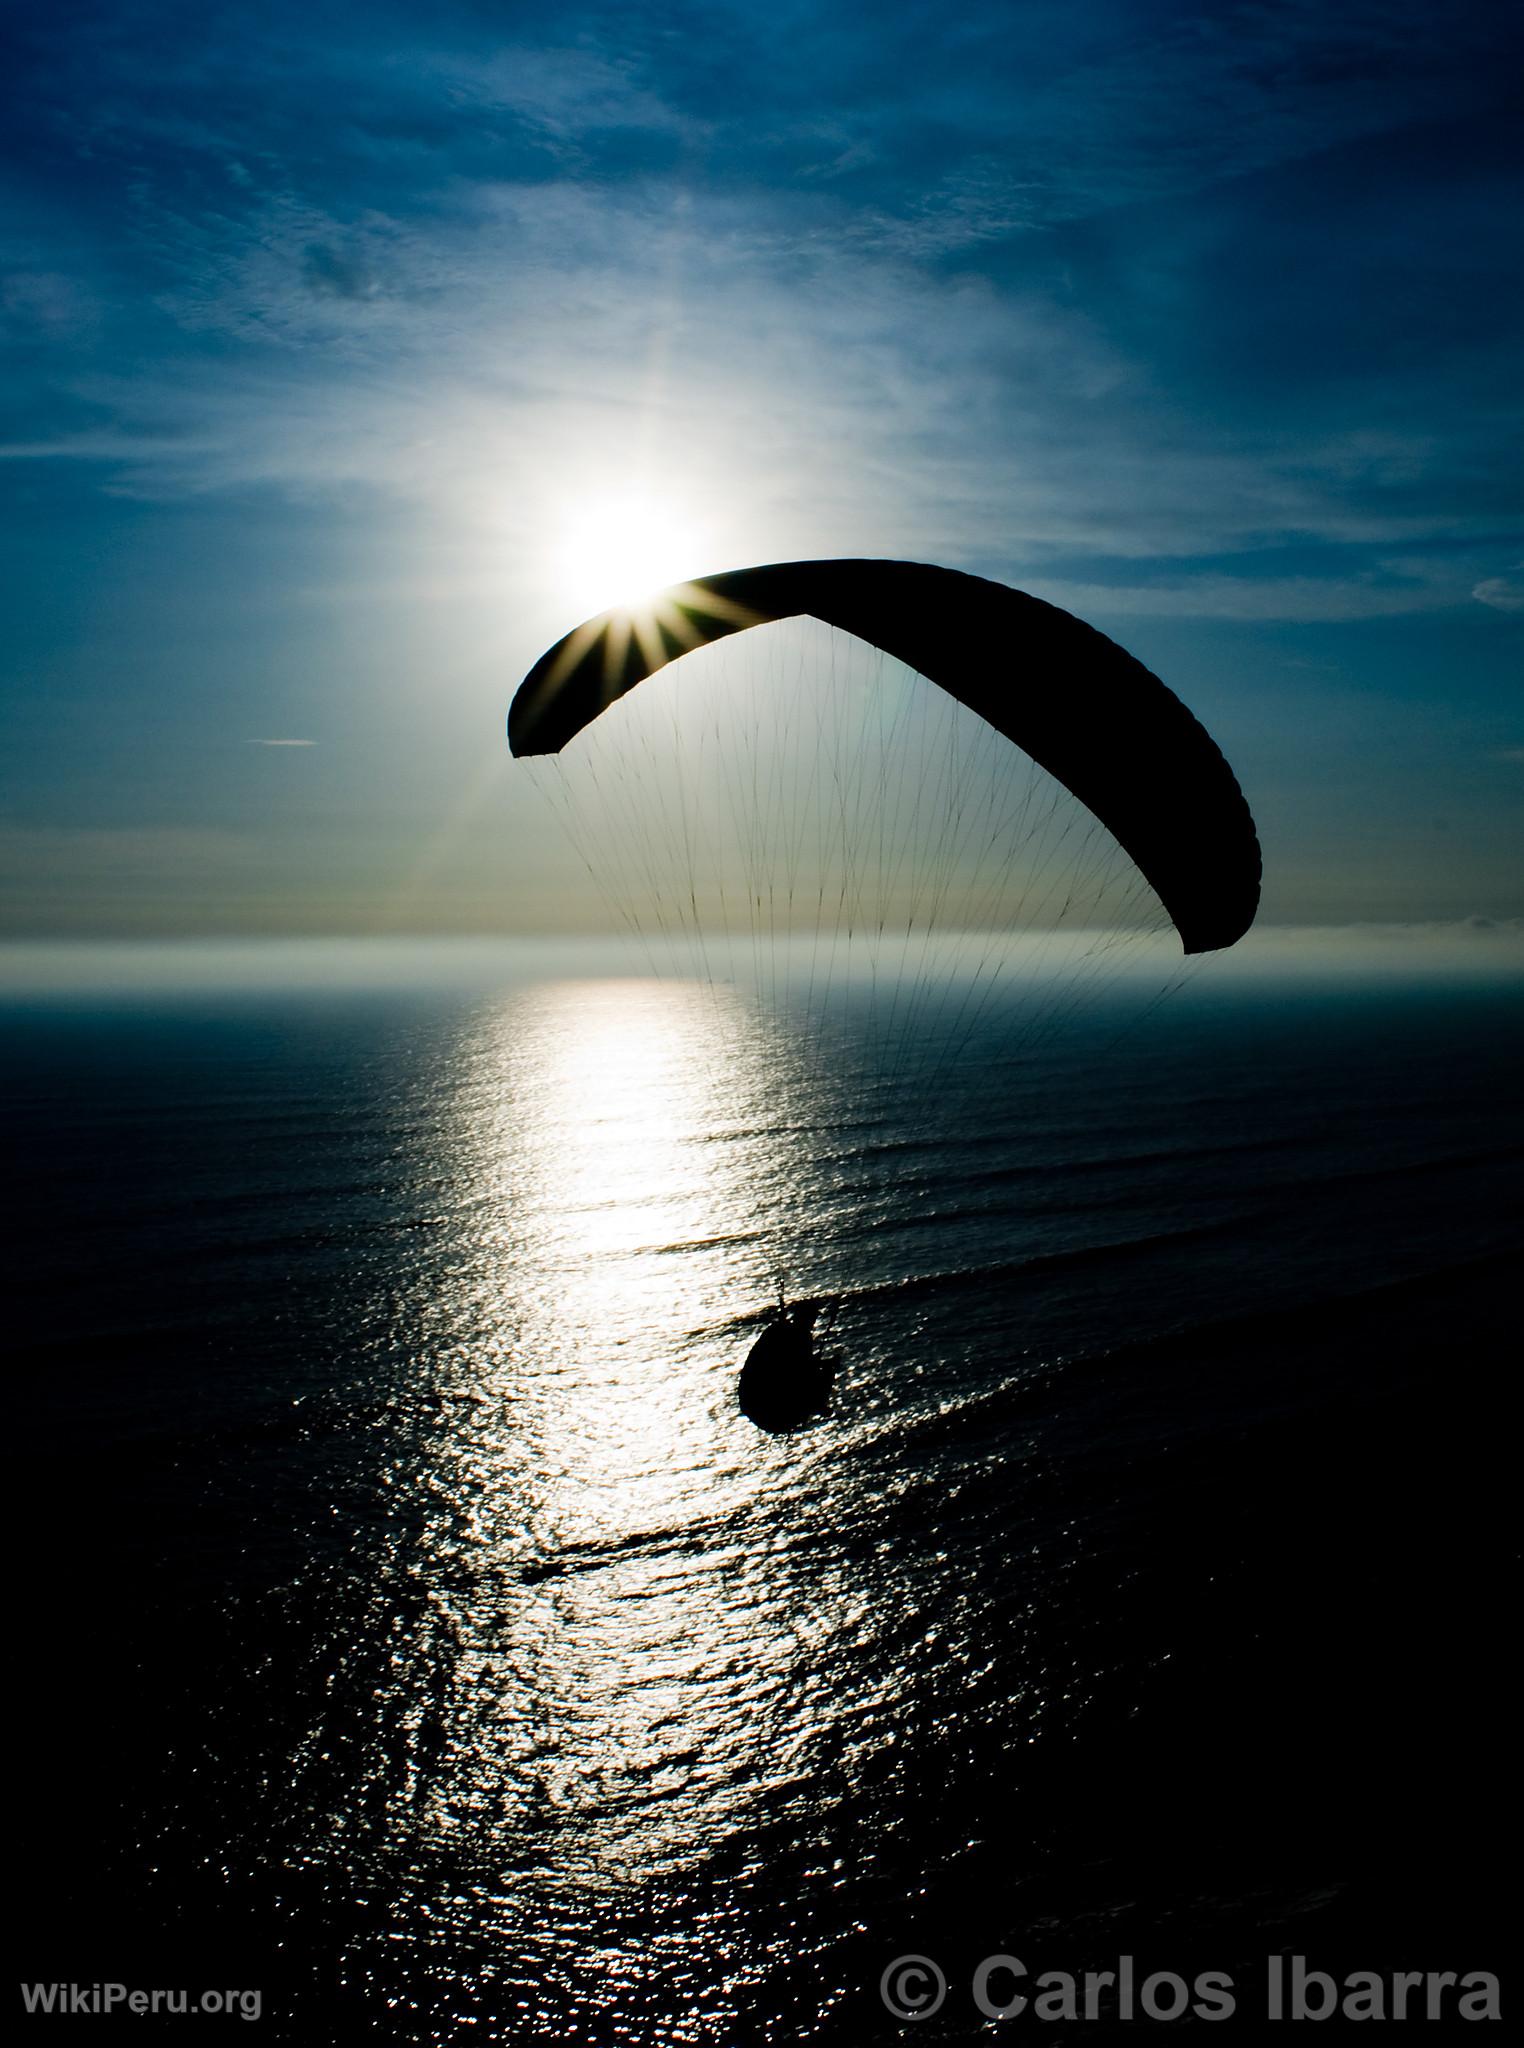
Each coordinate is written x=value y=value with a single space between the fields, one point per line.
x=423 y=1632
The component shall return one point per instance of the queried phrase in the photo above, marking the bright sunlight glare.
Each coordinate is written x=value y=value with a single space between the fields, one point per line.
x=617 y=551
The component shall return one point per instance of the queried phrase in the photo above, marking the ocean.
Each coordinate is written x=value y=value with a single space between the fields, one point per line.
x=412 y=1630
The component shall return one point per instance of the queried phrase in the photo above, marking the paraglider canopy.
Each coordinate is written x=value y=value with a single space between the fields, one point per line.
x=1080 y=706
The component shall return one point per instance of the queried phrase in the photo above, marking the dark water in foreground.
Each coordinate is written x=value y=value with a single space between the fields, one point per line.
x=411 y=1628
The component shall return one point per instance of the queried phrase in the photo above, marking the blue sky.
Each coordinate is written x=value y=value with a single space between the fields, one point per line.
x=321 y=322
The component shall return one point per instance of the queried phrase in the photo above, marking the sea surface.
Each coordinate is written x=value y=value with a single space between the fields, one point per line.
x=410 y=1627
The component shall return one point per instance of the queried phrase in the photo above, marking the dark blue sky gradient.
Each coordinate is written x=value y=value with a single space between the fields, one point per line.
x=1203 y=321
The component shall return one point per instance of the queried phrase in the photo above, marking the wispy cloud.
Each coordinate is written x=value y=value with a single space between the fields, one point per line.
x=971 y=316
x=1503 y=593
x=565 y=94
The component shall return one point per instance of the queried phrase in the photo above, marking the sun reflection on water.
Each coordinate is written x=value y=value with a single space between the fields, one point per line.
x=622 y=1637
x=629 y=1147
x=624 y=1679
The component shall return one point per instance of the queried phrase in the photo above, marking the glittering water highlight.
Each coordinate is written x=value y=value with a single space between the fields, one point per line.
x=425 y=1634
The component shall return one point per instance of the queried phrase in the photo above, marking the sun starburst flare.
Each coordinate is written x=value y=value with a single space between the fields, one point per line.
x=619 y=551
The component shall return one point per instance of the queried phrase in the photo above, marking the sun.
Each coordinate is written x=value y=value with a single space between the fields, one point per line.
x=615 y=551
